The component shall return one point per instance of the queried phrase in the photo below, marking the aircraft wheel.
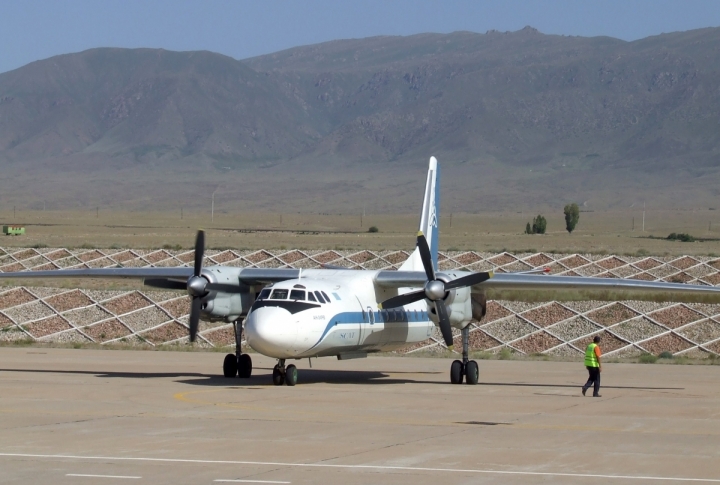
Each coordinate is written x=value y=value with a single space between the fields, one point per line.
x=456 y=374
x=230 y=365
x=244 y=366
x=291 y=375
x=472 y=373
x=278 y=377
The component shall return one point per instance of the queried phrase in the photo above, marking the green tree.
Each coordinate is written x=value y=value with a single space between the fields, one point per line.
x=528 y=228
x=572 y=216
x=539 y=225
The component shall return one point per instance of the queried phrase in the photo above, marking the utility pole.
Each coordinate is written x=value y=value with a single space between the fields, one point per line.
x=633 y=225
x=643 y=216
x=181 y=213
x=212 y=207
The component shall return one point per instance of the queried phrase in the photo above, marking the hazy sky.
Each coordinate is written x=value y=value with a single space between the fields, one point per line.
x=37 y=29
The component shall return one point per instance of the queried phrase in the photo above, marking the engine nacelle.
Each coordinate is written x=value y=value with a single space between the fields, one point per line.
x=458 y=304
x=226 y=306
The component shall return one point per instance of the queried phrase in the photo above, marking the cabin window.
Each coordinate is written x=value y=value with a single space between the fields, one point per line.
x=337 y=297
x=320 y=297
x=297 y=295
x=264 y=294
x=311 y=297
x=279 y=294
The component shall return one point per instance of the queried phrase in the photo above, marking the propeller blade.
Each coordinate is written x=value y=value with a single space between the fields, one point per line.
x=165 y=284
x=194 y=318
x=444 y=322
x=199 y=252
x=469 y=280
x=405 y=299
x=425 y=256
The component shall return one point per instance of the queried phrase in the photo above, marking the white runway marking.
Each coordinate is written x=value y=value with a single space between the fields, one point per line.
x=97 y=476
x=365 y=467
x=245 y=481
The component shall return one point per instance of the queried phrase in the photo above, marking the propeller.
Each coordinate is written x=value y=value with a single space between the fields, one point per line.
x=435 y=290
x=197 y=286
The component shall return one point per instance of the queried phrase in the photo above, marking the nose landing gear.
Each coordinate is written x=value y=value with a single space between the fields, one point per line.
x=465 y=368
x=237 y=364
x=284 y=375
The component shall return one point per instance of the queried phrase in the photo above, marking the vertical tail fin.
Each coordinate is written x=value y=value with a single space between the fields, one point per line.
x=428 y=219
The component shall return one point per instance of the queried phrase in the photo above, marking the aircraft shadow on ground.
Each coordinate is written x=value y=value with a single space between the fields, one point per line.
x=309 y=376
x=575 y=386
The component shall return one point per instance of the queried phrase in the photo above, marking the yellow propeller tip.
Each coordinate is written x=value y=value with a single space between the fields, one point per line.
x=491 y=273
x=420 y=233
x=450 y=348
x=380 y=306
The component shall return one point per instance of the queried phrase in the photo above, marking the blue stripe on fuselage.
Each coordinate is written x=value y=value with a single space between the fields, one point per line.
x=359 y=318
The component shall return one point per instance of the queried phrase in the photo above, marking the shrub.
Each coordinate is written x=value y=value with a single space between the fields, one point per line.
x=539 y=224
x=373 y=229
x=572 y=216
x=665 y=355
x=647 y=359
x=681 y=236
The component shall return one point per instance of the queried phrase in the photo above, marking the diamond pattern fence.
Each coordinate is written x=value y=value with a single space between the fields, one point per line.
x=557 y=328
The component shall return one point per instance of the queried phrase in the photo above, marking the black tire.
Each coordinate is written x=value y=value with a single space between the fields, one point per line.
x=456 y=372
x=244 y=366
x=230 y=365
x=278 y=377
x=291 y=375
x=472 y=373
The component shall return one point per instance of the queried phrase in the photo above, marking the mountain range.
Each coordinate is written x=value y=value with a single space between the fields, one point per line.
x=519 y=120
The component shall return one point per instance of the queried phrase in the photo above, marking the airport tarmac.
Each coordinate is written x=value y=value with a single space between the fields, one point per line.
x=89 y=416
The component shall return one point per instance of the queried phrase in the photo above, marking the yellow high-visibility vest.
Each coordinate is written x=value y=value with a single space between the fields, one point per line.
x=590 y=357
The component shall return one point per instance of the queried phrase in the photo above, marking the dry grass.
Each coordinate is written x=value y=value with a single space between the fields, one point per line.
x=598 y=232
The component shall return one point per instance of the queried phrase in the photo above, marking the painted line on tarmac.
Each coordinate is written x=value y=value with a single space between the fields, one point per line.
x=97 y=476
x=364 y=467
x=229 y=480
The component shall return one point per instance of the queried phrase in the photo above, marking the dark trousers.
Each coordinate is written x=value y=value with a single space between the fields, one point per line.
x=593 y=378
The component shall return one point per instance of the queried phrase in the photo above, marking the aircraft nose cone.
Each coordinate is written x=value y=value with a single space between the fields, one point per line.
x=272 y=331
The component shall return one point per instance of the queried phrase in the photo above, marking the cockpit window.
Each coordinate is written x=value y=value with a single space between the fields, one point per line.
x=264 y=294
x=311 y=297
x=319 y=297
x=297 y=295
x=279 y=294
x=327 y=298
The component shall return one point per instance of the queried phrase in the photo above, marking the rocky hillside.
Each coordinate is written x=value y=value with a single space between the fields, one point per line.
x=518 y=119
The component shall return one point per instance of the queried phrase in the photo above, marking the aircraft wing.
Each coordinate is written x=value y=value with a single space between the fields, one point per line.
x=177 y=277
x=593 y=287
x=520 y=282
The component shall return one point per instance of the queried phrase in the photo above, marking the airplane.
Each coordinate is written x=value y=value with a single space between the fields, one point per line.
x=293 y=314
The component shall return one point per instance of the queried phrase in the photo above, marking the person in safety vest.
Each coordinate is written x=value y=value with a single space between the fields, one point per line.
x=594 y=367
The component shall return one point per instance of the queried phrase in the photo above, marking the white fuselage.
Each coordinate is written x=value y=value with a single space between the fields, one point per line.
x=294 y=319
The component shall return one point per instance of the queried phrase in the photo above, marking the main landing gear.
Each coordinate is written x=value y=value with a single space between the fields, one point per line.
x=284 y=375
x=237 y=364
x=465 y=368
